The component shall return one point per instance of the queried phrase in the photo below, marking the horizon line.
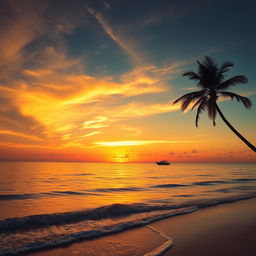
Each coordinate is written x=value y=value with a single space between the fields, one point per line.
x=127 y=162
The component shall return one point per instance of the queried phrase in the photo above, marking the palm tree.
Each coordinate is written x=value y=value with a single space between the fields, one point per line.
x=210 y=80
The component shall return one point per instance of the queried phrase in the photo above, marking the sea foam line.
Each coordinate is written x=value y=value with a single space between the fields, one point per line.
x=107 y=230
x=110 y=211
x=121 y=225
x=162 y=248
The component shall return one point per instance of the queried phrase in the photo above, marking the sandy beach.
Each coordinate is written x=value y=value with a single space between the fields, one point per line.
x=227 y=229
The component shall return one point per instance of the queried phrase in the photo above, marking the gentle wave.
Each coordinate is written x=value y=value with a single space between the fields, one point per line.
x=70 y=193
x=97 y=191
x=234 y=188
x=46 y=231
x=48 y=238
x=110 y=211
x=19 y=196
x=211 y=182
x=116 y=189
x=4 y=197
x=206 y=183
x=169 y=185
x=79 y=174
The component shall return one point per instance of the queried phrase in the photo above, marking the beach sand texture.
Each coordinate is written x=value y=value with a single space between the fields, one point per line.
x=227 y=229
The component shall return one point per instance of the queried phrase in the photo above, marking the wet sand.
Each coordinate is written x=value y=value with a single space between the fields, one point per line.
x=224 y=230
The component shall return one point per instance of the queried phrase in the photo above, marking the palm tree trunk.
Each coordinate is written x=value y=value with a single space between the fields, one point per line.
x=235 y=131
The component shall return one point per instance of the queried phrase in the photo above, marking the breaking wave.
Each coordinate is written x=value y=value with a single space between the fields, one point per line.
x=44 y=231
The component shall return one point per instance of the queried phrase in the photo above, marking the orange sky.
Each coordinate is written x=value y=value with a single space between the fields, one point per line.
x=54 y=108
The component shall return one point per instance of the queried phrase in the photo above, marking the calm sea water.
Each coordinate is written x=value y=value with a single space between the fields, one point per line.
x=45 y=204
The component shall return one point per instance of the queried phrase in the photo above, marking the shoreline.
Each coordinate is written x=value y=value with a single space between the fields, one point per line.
x=225 y=229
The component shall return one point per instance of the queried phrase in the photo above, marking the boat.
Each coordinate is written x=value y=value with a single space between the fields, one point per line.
x=163 y=162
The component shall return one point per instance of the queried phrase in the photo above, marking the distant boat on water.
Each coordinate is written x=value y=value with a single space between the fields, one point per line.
x=163 y=162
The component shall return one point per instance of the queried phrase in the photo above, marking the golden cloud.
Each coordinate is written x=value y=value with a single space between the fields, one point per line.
x=47 y=98
x=139 y=142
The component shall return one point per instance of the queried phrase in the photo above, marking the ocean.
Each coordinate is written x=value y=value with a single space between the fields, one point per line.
x=49 y=204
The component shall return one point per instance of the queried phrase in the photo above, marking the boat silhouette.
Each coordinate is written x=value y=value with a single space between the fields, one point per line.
x=163 y=162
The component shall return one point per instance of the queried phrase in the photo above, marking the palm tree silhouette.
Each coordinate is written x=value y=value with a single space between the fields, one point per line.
x=210 y=78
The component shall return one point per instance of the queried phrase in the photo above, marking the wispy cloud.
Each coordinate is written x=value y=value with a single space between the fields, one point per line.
x=49 y=101
x=19 y=134
x=91 y=134
x=132 y=131
x=117 y=36
x=97 y=122
x=139 y=142
x=249 y=93
x=26 y=25
x=60 y=105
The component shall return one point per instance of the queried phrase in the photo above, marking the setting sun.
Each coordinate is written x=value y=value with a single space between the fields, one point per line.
x=121 y=158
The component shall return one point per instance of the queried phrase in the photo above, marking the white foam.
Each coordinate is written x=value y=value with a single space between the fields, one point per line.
x=161 y=249
x=43 y=238
x=104 y=221
x=164 y=247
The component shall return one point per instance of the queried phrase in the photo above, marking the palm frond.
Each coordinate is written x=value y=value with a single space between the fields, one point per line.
x=186 y=103
x=192 y=75
x=210 y=77
x=211 y=107
x=191 y=94
x=189 y=98
x=245 y=101
x=200 y=108
x=208 y=72
x=208 y=61
x=197 y=103
x=232 y=82
x=225 y=67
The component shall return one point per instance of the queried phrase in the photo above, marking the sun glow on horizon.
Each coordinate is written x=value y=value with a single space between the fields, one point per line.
x=121 y=158
x=140 y=142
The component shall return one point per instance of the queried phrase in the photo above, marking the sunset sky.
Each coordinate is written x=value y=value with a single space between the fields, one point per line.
x=95 y=80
